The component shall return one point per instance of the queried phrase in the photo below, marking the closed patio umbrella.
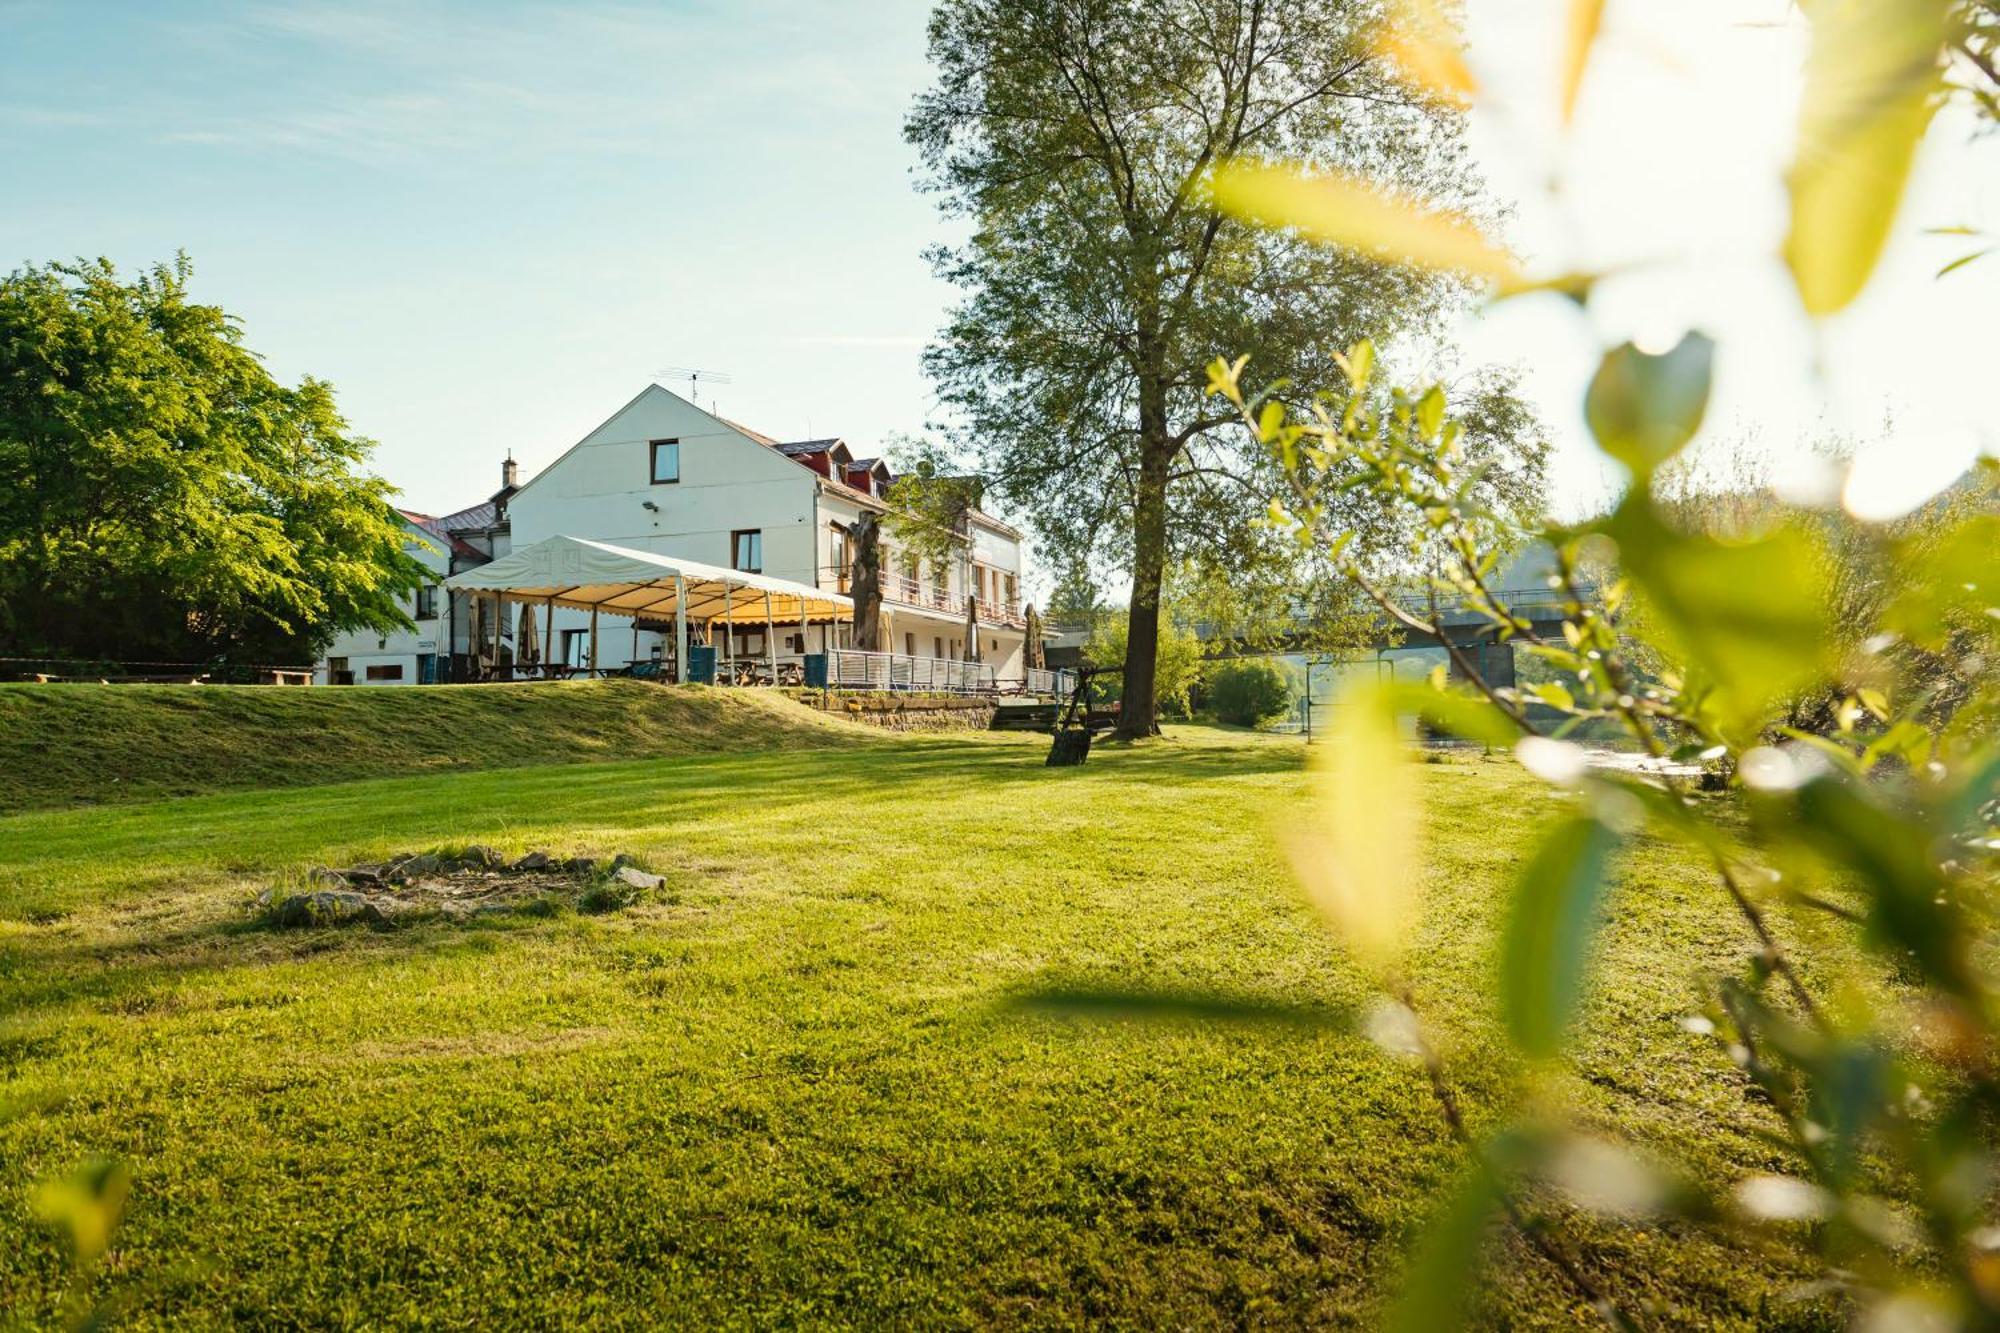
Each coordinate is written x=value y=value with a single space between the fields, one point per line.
x=526 y=648
x=481 y=632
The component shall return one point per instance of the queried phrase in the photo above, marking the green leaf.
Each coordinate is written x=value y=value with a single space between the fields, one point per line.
x=1643 y=408
x=1952 y=576
x=1872 y=79
x=1554 y=695
x=1439 y=1280
x=1546 y=948
x=1464 y=715
x=1748 y=616
x=1359 y=363
x=1885 y=848
x=1430 y=412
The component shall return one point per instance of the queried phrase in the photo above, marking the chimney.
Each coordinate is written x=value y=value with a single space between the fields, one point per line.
x=509 y=474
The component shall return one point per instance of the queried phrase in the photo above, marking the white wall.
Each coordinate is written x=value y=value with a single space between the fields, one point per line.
x=600 y=488
x=366 y=648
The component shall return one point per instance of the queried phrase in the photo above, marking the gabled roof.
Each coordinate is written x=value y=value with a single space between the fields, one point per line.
x=471 y=518
x=739 y=427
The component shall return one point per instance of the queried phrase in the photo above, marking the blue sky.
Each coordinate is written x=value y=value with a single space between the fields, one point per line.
x=490 y=224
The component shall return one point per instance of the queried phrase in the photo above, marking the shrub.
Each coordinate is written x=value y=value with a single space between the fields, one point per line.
x=1251 y=692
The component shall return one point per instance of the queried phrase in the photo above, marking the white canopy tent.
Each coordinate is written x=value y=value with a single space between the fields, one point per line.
x=596 y=576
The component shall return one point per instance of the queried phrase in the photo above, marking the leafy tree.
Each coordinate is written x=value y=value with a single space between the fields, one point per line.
x=1079 y=138
x=1176 y=660
x=162 y=497
x=1251 y=691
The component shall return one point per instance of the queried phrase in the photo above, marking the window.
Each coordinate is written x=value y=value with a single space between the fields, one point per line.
x=575 y=647
x=337 y=672
x=909 y=645
x=393 y=671
x=427 y=602
x=666 y=461
x=746 y=550
x=795 y=643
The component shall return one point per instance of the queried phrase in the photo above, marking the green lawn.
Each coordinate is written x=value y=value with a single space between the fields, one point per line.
x=797 y=1088
x=69 y=745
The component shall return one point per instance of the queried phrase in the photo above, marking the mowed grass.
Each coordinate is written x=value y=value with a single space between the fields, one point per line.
x=800 y=1087
x=65 y=745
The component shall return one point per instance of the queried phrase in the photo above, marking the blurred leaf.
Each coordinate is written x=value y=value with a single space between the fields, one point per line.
x=1748 y=615
x=1467 y=716
x=1642 y=408
x=1965 y=259
x=1440 y=1278
x=1872 y=79
x=87 y=1206
x=1342 y=209
x=1977 y=787
x=1170 y=1005
x=1354 y=850
x=1958 y=574
x=1423 y=46
x=1546 y=948
x=1580 y=33
x=1851 y=825
x=1554 y=695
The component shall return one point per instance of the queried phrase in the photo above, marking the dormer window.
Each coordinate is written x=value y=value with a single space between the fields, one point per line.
x=666 y=462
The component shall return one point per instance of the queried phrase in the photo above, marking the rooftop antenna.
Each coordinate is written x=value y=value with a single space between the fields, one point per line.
x=695 y=379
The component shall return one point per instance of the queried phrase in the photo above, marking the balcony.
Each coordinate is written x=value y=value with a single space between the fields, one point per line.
x=902 y=590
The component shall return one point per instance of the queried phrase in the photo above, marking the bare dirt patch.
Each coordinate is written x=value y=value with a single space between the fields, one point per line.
x=455 y=884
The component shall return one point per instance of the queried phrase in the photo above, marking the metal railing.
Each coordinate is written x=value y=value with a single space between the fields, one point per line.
x=852 y=669
x=901 y=589
x=1061 y=683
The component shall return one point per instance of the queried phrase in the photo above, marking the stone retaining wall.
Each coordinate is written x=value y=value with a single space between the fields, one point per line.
x=903 y=712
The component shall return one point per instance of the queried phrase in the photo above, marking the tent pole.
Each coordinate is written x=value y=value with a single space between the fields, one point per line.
x=680 y=629
x=548 y=636
x=728 y=629
x=770 y=638
x=593 y=640
x=499 y=623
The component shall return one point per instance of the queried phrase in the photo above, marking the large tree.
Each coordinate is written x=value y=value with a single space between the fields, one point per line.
x=162 y=497
x=1077 y=138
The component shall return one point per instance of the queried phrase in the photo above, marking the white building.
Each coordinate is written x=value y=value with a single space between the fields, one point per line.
x=664 y=476
x=408 y=657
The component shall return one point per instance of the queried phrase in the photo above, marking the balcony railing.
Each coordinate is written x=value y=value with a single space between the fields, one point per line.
x=902 y=590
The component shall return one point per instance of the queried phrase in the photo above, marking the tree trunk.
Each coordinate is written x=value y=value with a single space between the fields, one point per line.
x=1139 y=713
